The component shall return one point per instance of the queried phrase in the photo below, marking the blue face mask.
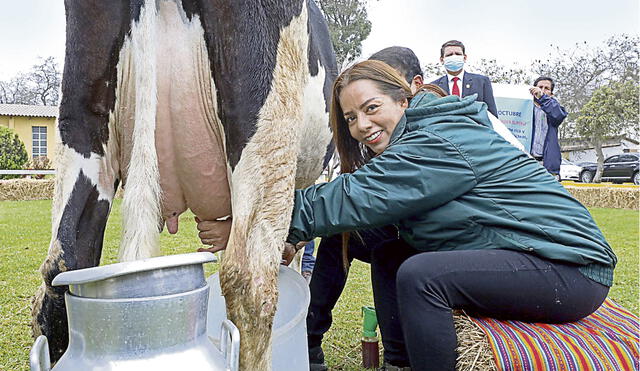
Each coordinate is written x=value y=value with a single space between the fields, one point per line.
x=454 y=63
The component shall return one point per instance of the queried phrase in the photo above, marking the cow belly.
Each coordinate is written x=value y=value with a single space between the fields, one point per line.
x=193 y=170
x=314 y=133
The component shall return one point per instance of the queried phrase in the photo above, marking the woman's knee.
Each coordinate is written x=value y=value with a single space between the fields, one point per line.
x=423 y=278
x=417 y=273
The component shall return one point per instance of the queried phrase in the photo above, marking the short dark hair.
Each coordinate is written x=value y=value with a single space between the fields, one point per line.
x=543 y=78
x=451 y=43
x=404 y=60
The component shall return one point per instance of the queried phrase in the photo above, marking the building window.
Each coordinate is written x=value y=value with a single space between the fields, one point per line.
x=39 y=141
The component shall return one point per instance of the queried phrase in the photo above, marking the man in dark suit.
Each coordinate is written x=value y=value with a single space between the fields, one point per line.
x=461 y=83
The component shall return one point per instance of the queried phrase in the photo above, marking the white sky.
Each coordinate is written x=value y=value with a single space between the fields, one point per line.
x=512 y=31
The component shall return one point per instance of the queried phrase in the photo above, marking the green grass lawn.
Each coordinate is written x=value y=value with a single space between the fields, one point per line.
x=24 y=239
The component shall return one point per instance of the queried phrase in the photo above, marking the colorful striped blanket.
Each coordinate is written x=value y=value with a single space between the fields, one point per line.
x=605 y=340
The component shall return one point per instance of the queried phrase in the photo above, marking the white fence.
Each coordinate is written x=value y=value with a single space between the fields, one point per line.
x=27 y=172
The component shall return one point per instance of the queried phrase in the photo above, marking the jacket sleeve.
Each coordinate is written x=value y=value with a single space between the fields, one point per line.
x=553 y=109
x=488 y=97
x=414 y=175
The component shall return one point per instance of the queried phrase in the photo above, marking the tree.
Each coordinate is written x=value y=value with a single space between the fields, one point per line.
x=16 y=90
x=581 y=70
x=40 y=86
x=46 y=78
x=611 y=110
x=13 y=155
x=499 y=73
x=432 y=71
x=348 y=27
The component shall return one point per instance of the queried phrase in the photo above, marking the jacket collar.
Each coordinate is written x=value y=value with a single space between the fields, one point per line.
x=428 y=104
x=397 y=132
x=425 y=105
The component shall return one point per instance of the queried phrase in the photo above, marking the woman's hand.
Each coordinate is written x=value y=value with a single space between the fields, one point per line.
x=214 y=233
x=290 y=251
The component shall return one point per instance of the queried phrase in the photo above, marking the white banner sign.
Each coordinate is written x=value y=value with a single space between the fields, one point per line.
x=515 y=110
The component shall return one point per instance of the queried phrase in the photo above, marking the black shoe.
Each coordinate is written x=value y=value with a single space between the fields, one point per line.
x=316 y=359
x=389 y=367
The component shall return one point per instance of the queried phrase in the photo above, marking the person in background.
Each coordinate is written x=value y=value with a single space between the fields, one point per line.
x=403 y=60
x=548 y=114
x=308 y=261
x=459 y=82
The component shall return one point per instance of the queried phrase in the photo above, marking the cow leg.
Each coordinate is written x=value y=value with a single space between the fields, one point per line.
x=262 y=201
x=262 y=189
x=87 y=172
x=77 y=244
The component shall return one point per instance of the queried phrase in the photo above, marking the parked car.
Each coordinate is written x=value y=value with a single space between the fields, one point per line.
x=585 y=163
x=617 y=169
x=569 y=170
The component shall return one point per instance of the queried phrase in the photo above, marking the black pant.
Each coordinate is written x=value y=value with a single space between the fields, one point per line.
x=501 y=284
x=329 y=279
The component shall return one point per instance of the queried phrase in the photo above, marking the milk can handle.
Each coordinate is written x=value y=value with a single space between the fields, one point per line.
x=231 y=354
x=39 y=355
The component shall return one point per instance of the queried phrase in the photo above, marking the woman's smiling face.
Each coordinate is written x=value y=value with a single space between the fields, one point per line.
x=371 y=115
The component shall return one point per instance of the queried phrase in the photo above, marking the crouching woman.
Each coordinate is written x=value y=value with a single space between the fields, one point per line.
x=484 y=227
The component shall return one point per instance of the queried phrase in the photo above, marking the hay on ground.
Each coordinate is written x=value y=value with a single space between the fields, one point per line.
x=31 y=189
x=474 y=351
x=26 y=189
x=608 y=197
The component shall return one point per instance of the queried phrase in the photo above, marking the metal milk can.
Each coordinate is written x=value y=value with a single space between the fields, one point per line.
x=139 y=315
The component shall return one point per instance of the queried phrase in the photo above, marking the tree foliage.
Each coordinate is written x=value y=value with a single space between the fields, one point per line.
x=39 y=86
x=499 y=73
x=611 y=110
x=348 y=27
x=13 y=155
x=432 y=71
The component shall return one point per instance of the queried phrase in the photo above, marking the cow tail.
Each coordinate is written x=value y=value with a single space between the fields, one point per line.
x=142 y=194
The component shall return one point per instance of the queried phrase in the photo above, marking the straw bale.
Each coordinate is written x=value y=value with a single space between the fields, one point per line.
x=474 y=351
x=31 y=189
x=26 y=189
x=608 y=197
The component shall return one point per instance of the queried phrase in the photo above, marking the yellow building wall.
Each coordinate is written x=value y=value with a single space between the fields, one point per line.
x=22 y=126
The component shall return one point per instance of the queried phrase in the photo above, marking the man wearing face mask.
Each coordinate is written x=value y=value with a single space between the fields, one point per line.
x=461 y=83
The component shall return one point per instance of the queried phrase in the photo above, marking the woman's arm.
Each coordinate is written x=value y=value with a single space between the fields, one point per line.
x=419 y=173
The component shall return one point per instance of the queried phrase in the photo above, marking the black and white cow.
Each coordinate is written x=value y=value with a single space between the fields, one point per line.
x=218 y=106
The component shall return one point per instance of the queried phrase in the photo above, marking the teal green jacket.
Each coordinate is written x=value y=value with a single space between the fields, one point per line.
x=448 y=181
